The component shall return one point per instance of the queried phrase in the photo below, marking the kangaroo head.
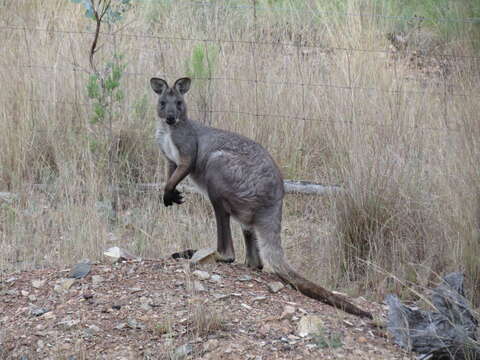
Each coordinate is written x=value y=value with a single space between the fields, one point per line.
x=171 y=105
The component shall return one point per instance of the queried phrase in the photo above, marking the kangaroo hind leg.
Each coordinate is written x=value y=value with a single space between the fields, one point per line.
x=252 y=255
x=224 y=235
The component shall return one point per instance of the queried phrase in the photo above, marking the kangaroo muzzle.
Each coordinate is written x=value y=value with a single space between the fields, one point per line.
x=171 y=120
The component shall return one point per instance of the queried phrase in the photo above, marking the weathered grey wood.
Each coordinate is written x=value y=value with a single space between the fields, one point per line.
x=291 y=187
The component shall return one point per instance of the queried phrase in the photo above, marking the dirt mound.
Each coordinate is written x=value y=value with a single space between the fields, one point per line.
x=168 y=310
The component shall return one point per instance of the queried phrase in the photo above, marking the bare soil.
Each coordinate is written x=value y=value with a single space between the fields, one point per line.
x=150 y=309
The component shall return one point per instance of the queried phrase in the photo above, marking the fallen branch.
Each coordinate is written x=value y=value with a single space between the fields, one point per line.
x=291 y=186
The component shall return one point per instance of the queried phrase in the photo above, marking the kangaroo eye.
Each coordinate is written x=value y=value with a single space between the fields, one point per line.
x=179 y=103
x=162 y=104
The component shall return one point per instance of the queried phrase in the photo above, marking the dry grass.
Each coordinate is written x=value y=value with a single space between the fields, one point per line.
x=380 y=130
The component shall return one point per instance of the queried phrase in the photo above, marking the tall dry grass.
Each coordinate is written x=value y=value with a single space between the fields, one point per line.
x=390 y=127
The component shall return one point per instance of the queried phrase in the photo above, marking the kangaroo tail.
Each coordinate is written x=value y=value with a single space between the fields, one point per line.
x=281 y=267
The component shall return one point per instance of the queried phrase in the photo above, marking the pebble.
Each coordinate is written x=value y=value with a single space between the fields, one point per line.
x=202 y=275
x=216 y=278
x=275 y=286
x=182 y=352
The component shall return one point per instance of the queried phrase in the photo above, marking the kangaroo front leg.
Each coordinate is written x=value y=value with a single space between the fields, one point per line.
x=172 y=195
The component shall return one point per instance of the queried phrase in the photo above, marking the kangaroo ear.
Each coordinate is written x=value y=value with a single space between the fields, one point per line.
x=182 y=85
x=158 y=85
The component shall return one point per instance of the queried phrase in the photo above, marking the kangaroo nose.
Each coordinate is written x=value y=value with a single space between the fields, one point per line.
x=170 y=120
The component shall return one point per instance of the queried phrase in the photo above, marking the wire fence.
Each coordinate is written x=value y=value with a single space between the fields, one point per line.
x=443 y=89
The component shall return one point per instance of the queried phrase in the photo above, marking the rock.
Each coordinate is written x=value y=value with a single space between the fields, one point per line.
x=259 y=298
x=32 y=298
x=275 y=286
x=119 y=254
x=134 y=324
x=121 y=326
x=68 y=322
x=204 y=256
x=362 y=340
x=67 y=283
x=11 y=280
x=87 y=295
x=215 y=278
x=245 y=278
x=197 y=286
x=221 y=296
x=38 y=311
x=248 y=307
x=37 y=284
x=288 y=312
x=310 y=325
x=145 y=306
x=80 y=270
x=97 y=279
x=202 y=275
x=94 y=328
x=24 y=293
x=211 y=344
x=11 y=292
x=182 y=352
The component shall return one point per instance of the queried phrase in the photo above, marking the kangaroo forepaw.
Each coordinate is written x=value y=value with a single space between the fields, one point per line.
x=173 y=196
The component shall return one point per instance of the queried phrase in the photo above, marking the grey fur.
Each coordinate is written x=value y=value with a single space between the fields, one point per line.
x=241 y=180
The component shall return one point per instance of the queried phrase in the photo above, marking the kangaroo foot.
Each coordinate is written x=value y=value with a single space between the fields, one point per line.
x=225 y=258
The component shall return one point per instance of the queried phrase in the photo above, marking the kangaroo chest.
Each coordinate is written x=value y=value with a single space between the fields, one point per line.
x=168 y=147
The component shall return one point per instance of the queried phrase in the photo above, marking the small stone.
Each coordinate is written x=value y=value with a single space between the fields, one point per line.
x=288 y=312
x=37 y=311
x=94 y=328
x=87 y=295
x=310 y=325
x=202 y=275
x=49 y=315
x=244 y=278
x=362 y=340
x=37 y=284
x=145 y=306
x=11 y=280
x=275 y=286
x=215 y=278
x=182 y=352
x=32 y=298
x=80 y=270
x=121 y=326
x=119 y=254
x=67 y=283
x=134 y=324
x=248 y=307
x=210 y=345
x=204 y=256
x=97 y=279
x=221 y=296
x=259 y=298
x=135 y=290
x=68 y=322
x=12 y=292
x=197 y=286
x=24 y=293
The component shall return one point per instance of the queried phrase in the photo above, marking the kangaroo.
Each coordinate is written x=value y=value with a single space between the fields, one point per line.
x=241 y=180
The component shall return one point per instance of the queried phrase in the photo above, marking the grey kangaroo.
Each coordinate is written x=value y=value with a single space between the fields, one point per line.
x=241 y=180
